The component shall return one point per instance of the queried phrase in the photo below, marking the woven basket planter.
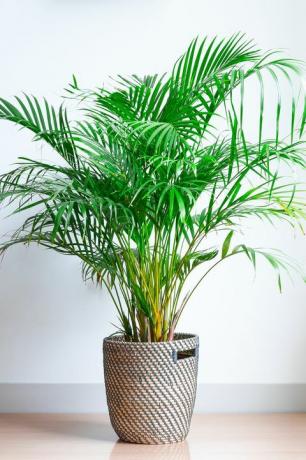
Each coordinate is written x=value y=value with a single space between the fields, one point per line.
x=151 y=387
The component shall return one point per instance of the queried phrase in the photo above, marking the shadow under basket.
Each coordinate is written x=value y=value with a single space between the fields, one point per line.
x=151 y=387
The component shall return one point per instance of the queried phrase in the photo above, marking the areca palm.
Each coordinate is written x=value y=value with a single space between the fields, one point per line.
x=148 y=176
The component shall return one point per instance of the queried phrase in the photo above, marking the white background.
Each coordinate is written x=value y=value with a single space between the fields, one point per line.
x=51 y=324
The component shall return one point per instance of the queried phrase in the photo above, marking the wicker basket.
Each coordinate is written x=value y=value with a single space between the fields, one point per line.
x=151 y=388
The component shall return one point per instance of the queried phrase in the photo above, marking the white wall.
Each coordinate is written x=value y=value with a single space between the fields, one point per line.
x=52 y=325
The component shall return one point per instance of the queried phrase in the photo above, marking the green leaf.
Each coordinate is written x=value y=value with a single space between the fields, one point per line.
x=226 y=244
x=279 y=280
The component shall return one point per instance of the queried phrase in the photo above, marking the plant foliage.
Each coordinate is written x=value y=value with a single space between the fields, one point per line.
x=149 y=174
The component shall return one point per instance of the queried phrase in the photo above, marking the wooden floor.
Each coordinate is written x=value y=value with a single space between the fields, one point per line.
x=212 y=437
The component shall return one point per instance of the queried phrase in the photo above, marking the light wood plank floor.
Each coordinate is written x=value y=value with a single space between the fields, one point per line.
x=212 y=437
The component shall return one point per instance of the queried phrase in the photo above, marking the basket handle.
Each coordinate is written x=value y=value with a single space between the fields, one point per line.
x=179 y=355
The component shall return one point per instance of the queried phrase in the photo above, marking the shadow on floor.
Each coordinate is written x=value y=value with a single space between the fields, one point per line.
x=91 y=427
x=126 y=451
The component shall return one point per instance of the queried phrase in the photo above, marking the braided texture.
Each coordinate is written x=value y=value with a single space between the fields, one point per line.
x=151 y=387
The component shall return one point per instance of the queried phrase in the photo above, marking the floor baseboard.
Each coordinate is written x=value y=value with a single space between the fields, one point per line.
x=211 y=398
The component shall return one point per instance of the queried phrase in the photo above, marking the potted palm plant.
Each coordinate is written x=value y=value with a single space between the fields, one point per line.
x=155 y=167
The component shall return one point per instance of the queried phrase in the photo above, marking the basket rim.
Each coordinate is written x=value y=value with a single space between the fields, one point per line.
x=119 y=340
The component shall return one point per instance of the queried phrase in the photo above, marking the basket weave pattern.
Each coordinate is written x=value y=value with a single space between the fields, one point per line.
x=151 y=388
